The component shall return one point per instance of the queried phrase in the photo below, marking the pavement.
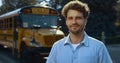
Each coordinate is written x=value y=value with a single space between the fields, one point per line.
x=114 y=51
x=6 y=56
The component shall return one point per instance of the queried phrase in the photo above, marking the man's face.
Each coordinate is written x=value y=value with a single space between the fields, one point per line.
x=75 y=21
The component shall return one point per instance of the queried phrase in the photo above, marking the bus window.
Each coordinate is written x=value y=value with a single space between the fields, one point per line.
x=0 y=24
x=42 y=20
x=5 y=23
x=10 y=23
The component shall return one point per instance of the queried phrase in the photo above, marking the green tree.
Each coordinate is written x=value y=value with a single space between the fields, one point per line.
x=6 y=7
x=14 y=4
x=22 y=3
x=102 y=17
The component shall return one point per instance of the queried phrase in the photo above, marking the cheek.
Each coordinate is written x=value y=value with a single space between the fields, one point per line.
x=67 y=23
x=82 y=23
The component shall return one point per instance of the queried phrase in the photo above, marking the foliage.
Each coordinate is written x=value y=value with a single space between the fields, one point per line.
x=6 y=7
x=22 y=3
x=102 y=17
x=14 y=4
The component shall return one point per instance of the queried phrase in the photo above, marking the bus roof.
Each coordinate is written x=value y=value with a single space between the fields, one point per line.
x=12 y=13
x=18 y=11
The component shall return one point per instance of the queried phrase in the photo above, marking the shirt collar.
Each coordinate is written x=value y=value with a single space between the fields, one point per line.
x=84 y=42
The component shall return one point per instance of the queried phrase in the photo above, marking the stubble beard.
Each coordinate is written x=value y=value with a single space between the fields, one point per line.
x=76 y=32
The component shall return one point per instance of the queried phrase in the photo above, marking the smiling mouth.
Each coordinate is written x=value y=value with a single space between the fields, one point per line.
x=75 y=26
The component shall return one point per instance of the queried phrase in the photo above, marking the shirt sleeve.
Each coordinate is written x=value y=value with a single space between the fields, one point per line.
x=104 y=56
x=52 y=55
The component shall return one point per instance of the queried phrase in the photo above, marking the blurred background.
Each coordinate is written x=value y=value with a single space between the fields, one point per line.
x=103 y=22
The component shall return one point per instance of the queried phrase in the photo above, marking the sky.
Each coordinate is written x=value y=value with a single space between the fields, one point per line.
x=0 y=2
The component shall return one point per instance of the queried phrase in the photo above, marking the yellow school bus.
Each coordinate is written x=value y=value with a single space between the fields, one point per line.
x=29 y=28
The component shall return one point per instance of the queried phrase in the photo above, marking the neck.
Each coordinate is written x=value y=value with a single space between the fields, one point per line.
x=76 y=38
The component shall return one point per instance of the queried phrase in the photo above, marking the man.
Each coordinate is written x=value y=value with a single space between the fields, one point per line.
x=78 y=47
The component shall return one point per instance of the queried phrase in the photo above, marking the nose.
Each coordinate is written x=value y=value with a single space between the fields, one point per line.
x=74 y=20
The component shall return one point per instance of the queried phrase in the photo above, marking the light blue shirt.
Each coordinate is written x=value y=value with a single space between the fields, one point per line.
x=89 y=50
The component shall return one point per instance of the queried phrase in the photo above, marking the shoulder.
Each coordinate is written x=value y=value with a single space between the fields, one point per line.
x=97 y=45
x=59 y=42
x=95 y=42
x=92 y=41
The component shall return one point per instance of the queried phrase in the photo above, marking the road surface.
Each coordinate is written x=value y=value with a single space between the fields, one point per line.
x=6 y=56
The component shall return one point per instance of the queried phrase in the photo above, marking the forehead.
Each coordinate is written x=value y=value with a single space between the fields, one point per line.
x=74 y=13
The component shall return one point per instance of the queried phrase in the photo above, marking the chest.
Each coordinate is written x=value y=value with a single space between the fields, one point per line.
x=80 y=55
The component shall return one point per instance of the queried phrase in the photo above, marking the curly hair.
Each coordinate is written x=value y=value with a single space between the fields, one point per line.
x=76 y=5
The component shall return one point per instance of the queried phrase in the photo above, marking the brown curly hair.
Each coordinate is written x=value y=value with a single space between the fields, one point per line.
x=76 y=5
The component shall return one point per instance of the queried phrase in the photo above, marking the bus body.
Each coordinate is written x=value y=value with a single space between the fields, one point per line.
x=29 y=28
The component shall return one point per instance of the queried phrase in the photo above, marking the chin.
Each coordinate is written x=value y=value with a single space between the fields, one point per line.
x=77 y=31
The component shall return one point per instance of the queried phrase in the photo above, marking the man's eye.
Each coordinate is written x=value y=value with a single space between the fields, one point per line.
x=79 y=17
x=70 y=18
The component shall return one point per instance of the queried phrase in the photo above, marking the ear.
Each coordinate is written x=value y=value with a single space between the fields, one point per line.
x=86 y=20
x=66 y=21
